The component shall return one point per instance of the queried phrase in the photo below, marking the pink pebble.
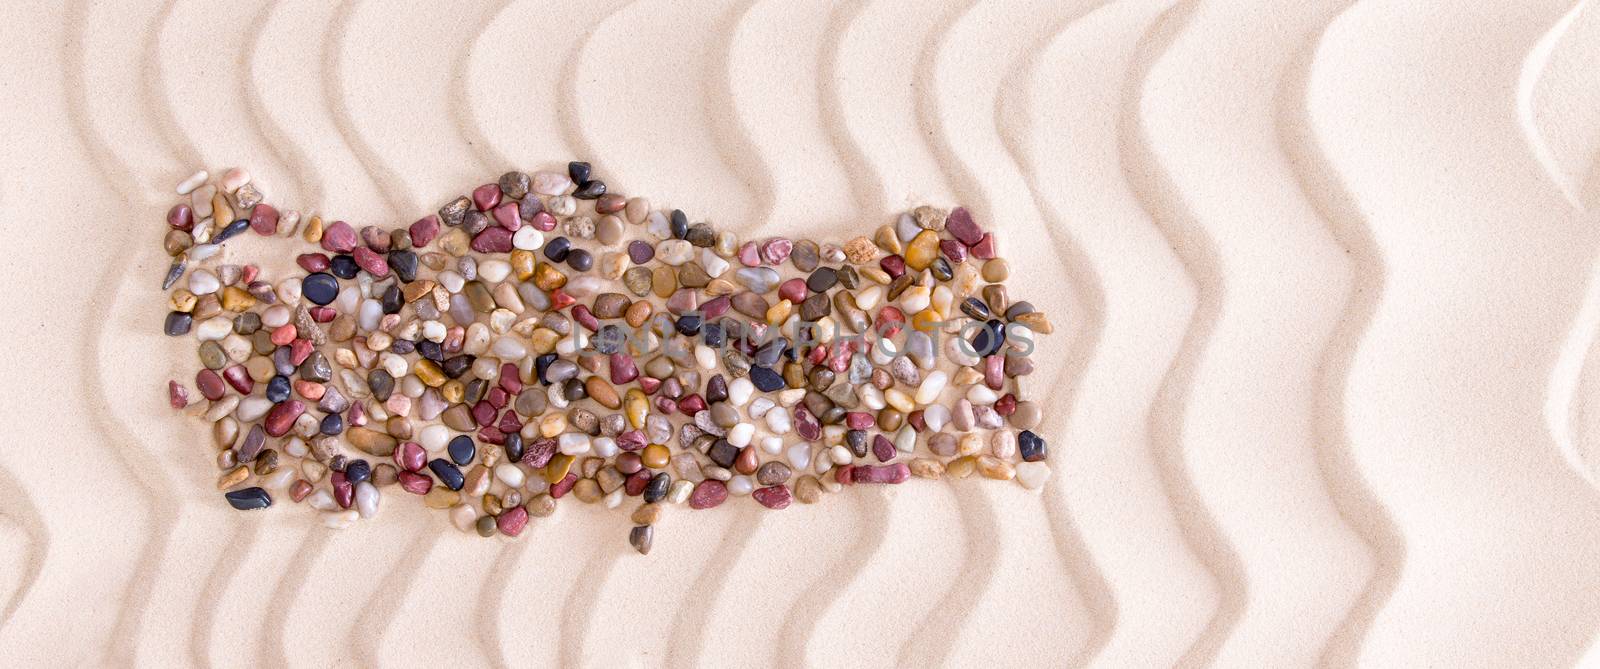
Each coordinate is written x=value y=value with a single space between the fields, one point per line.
x=960 y=224
x=749 y=255
x=708 y=494
x=485 y=197
x=883 y=448
x=492 y=240
x=414 y=483
x=858 y=420
x=793 y=290
x=984 y=249
x=773 y=497
x=891 y=473
x=339 y=238
x=776 y=250
x=371 y=261
x=424 y=231
x=210 y=385
x=506 y=215
x=953 y=250
x=543 y=221
x=623 y=369
x=264 y=220
x=177 y=395
x=410 y=456
x=181 y=217
x=282 y=417
x=512 y=520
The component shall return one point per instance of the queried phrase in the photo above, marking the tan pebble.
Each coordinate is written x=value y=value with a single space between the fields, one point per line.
x=860 y=251
x=313 y=231
x=996 y=270
x=183 y=300
x=552 y=425
x=930 y=218
x=961 y=467
x=221 y=211
x=663 y=281
x=876 y=275
x=541 y=506
x=587 y=491
x=613 y=264
x=887 y=239
x=647 y=514
x=1036 y=321
x=808 y=489
x=637 y=313
x=234 y=477
x=491 y=505
x=441 y=497
x=478 y=481
x=224 y=432
x=970 y=444
x=966 y=376
x=455 y=242
x=720 y=287
x=927 y=468
x=636 y=210
x=994 y=468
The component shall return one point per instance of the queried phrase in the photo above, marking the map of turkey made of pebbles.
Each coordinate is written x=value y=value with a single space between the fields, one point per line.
x=546 y=340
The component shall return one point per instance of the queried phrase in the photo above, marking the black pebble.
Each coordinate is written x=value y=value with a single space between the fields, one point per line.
x=320 y=288
x=609 y=339
x=680 y=224
x=688 y=324
x=857 y=441
x=232 y=230
x=332 y=424
x=579 y=171
x=249 y=498
x=557 y=249
x=357 y=471
x=513 y=447
x=656 y=489
x=448 y=473
x=975 y=309
x=771 y=352
x=1031 y=446
x=541 y=364
x=712 y=334
x=590 y=190
x=402 y=346
x=822 y=279
x=344 y=266
x=455 y=366
x=766 y=380
x=580 y=260
x=278 y=389
x=989 y=339
x=404 y=265
x=723 y=453
x=392 y=300
x=178 y=324
x=431 y=350
x=462 y=449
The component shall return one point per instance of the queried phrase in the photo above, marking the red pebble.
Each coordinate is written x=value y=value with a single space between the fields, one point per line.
x=372 y=261
x=839 y=359
x=916 y=420
x=559 y=299
x=410 y=456
x=715 y=307
x=564 y=486
x=506 y=215
x=283 y=334
x=883 y=448
x=485 y=197
x=264 y=220
x=539 y=453
x=894 y=265
x=491 y=435
x=282 y=417
x=323 y=314
x=749 y=255
x=891 y=473
x=344 y=492
x=510 y=378
x=776 y=250
x=622 y=368
x=310 y=390
x=492 y=240
x=649 y=385
x=692 y=404
x=890 y=321
x=666 y=405
x=339 y=238
x=845 y=474
x=585 y=317
x=177 y=395
x=858 y=420
x=313 y=262
x=773 y=497
x=248 y=274
x=794 y=290
x=817 y=354
x=806 y=425
x=960 y=224
x=632 y=440
x=424 y=231
x=984 y=249
x=543 y=221
x=953 y=250
x=636 y=483
x=300 y=490
x=414 y=483
x=239 y=377
x=210 y=385
x=1006 y=405
x=708 y=494
x=483 y=413
x=509 y=423
x=181 y=217
x=511 y=521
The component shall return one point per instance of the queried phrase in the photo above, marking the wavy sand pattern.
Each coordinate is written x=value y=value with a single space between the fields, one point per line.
x=1325 y=275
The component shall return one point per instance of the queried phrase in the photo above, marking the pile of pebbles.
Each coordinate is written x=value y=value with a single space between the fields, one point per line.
x=544 y=337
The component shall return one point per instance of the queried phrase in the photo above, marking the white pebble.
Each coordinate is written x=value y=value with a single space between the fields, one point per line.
x=936 y=416
x=562 y=205
x=527 y=238
x=203 y=251
x=959 y=352
x=202 y=282
x=213 y=329
x=871 y=397
x=464 y=517
x=905 y=440
x=614 y=498
x=799 y=455
x=494 y=271
x=509 y=474
x=554 y=397
x=981 y=395
x=712 y=263
x=188 y=185
x=657 y=225
x=679 y=492
x=253 y=408
x=868 y=297
x=234 y=179
x=339 y=520
x=275 y=316
x=778 y=420
x=296 y=447
x=550 y=183
x=740 y=391
x=573 y=443
x=367 y=499
x=772 y=445
x=510 y=348
x=915 y=299
x=371 y=312
x=674 y=252
x=840 y=455
x=760 y=406
x=741 y=485
x=1003 y=444
x=322 y=500
x=434 y=438
x=705 y=357
x=740 y=435
x=604 y=447
x=279 y=479
x=1033 y=475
